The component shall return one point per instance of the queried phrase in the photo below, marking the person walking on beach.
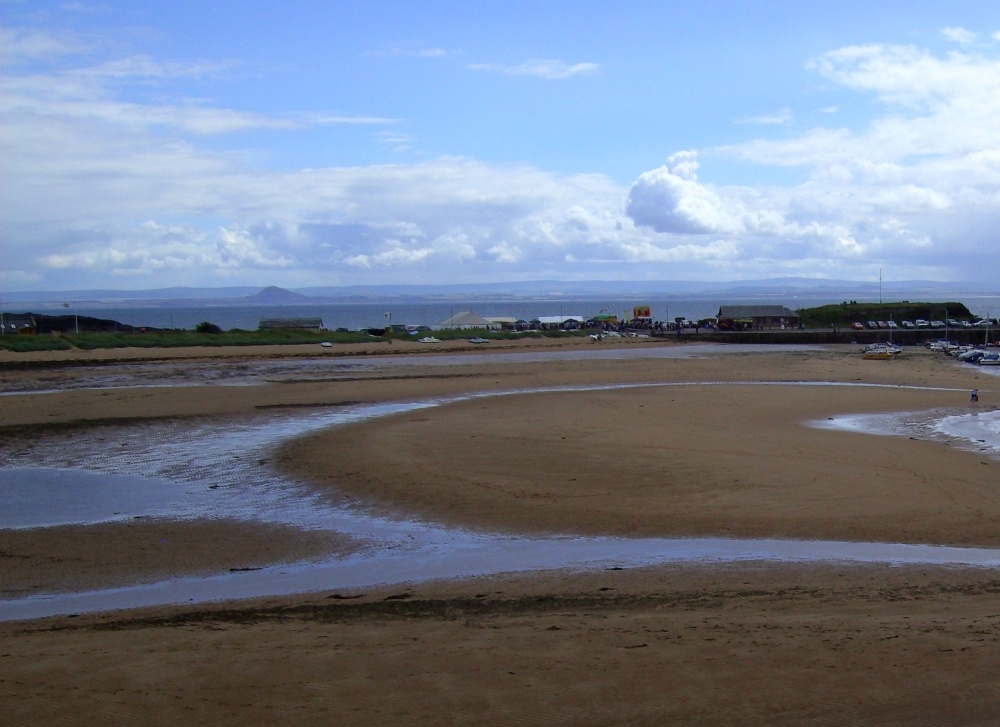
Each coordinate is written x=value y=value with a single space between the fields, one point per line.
x=975 y=396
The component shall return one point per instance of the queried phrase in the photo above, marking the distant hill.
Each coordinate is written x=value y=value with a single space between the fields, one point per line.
x=273 y=295
x=785 y=288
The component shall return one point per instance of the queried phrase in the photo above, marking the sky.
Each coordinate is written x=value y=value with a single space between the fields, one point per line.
x=337 y=142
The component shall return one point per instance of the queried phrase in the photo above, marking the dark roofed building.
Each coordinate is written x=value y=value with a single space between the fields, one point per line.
x=18 y=323
x=761 y=316
x=309 y=324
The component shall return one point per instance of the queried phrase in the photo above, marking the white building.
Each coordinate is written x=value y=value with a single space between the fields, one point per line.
x=466 y=320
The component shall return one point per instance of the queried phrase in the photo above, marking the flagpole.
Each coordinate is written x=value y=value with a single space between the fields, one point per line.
x=76 y=316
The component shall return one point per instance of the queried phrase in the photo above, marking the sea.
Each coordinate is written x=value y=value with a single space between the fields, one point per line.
x=372 y=314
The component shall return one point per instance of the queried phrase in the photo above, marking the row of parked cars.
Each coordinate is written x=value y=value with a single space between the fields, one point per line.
x=920 y=323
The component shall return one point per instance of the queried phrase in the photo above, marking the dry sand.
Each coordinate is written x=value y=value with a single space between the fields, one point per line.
x=727 y=644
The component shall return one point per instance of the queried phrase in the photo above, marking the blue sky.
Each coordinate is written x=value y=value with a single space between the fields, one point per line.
x=153 y=144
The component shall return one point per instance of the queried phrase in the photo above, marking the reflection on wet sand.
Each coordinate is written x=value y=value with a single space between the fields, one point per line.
x=219 y=470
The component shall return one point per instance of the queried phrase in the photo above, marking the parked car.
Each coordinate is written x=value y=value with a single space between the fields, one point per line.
x=907 y=324
x=984 y=323
x=858 y=326
x=921 y=323
x=872 y=324
x=937 y=324
x=891 y=324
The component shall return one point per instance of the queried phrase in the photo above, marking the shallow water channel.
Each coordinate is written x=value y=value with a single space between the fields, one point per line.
x=219 y=469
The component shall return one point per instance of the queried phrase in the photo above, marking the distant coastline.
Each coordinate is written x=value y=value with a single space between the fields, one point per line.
x=518 y=290
x=359 y=316
x=358 y=308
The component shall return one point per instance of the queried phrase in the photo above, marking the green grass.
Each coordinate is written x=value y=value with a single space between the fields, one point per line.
x=25 y=343
x=844 y=314
x=184 y=338
x=173 y=339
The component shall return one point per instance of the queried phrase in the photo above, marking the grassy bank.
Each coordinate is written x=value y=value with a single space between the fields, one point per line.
x=842 y=315
x=90 y=341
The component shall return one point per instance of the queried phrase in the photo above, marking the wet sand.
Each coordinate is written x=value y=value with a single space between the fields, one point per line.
x=58 y=559
x=719 y=459
x=751 y=643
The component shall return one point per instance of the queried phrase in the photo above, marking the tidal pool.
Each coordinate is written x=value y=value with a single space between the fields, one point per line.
x=219 y=469
x=973 y=429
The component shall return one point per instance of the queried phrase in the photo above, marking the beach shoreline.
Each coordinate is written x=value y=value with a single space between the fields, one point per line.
x=807 y=637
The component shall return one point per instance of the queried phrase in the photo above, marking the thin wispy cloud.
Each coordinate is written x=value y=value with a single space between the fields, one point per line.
x=548 y=69
x=152 y=70
x=311 y=119
x=409 y=53
x=959 y=35
x=19 y=45
x=79 y=7
x=781 y=117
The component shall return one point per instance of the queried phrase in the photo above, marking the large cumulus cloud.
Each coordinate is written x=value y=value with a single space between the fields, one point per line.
x=670 y=199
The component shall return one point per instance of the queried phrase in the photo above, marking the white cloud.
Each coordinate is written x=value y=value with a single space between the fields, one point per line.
x=781 y=117
x=109 y=184
x=910 y=76
x=240 y=248
x=959 y=35
x=506 y=253
x=414 y=52
x=670 y=199
x=936 y=107
x=20 y=45
x=88 y=94
x=547 y=69
x=918 y=184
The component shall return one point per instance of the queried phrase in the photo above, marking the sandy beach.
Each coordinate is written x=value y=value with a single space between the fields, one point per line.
x=689 y=446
